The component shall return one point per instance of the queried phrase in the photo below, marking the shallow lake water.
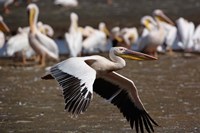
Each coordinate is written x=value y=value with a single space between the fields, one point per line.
x=168 y=87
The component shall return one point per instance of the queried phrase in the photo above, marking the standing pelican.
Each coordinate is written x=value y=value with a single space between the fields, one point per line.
x=155 y=37
x=3 y=28
x=189 y=35
x=74 y=37
x=97 y=41
x=156 y=33
x=19 y=43
x=196 y=39
x=170 y=30
x=124 y=37
x=41 y=44
x=80 y=76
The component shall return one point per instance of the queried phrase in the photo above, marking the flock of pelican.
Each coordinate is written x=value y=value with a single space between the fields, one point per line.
x=80 y=75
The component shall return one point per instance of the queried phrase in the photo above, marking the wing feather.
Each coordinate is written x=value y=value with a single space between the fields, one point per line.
x=76 y=85
x=121 y=98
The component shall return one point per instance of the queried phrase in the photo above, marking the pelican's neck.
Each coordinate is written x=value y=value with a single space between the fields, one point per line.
x=159 y=26
x=33 y=18
x=74 y=23
x=118 y=62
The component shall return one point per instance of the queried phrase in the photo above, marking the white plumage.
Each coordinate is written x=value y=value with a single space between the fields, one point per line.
x=80 y=76
x=66 y=3
x=97 y=40
x=74 y=37
x=41 y=44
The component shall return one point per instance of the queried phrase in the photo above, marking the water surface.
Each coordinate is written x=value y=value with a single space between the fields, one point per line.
x=168 y=87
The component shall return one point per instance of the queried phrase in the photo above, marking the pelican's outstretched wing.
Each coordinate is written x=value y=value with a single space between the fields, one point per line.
x=122 y=92
x=76 y=79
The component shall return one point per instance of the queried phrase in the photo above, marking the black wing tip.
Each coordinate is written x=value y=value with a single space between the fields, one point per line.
x=79 y=107
x=151 y=119
x=141 y=121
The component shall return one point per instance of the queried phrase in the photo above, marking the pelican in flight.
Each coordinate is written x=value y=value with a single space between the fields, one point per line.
x=3 y=28
x=80 y=76
x=41 y=44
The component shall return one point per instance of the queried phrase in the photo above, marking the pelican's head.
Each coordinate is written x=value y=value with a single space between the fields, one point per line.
x=33 y=12
x=3 y=26
x=148 y=22
x=133 y=55
x=103 y=28
x=48 y=30
x=115 y=33
x=73 y=16
x=130 y=35
x=160 y=16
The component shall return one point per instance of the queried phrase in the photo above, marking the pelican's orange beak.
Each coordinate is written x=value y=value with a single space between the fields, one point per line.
x=133 y=55
x=4 y=27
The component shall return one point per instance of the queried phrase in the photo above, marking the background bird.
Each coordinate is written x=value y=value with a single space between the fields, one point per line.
x=41 y=44
x=3 y=28
x=156 y=33
x=97 y=40
x=19 y=43
x=74 y=37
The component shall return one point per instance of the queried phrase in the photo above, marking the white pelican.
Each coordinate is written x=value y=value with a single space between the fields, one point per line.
x=19 y=43
x=41 y=44
x=124 y=37
x=48 y=30
x=97 y=41
x=196 y=39
x=170 y=30
x=80 y=76
x=116 y=36
x=74 y=37
x=66 y=3
x=129 y=35
x=155 y=37
x=188 y=35
x=3 y=28
x=44 y=28
x=87 y=31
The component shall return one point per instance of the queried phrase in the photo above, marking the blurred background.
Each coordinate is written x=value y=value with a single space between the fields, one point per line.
x=120 y=13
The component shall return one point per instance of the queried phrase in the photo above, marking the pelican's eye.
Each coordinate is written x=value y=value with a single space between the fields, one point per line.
x=121 y=49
